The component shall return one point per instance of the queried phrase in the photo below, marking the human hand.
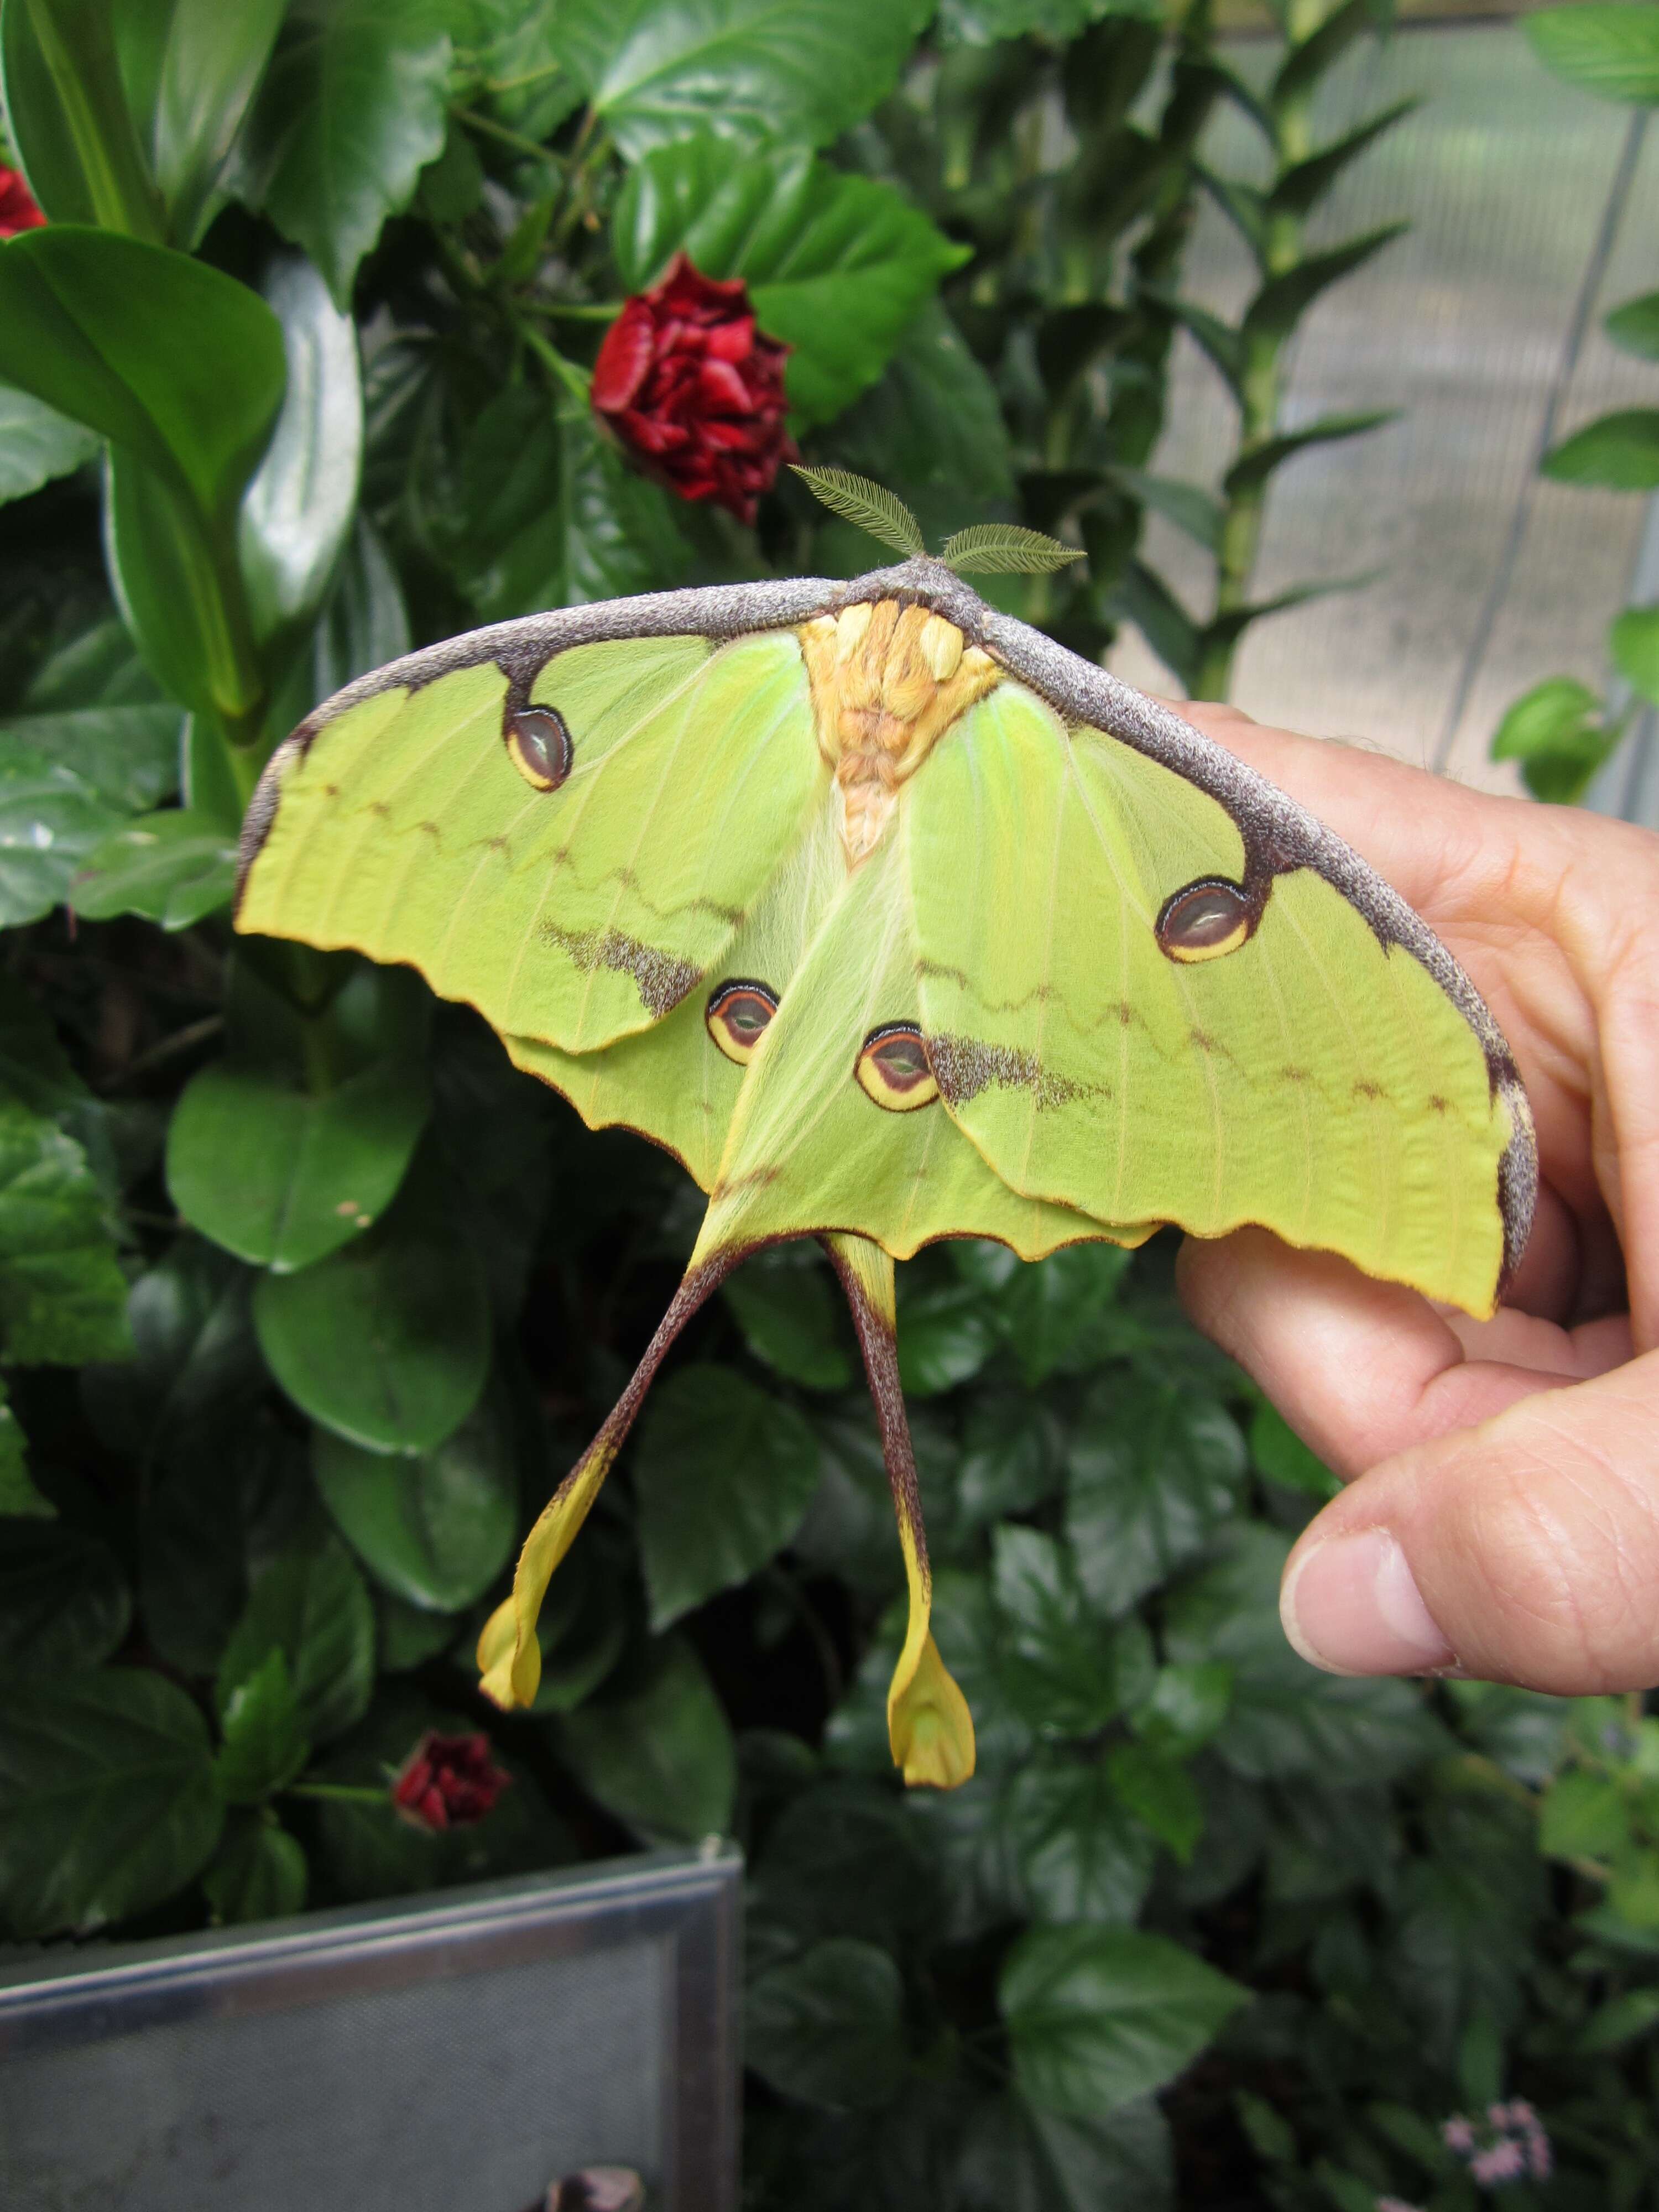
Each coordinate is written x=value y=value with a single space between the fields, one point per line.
x=1501 y=1518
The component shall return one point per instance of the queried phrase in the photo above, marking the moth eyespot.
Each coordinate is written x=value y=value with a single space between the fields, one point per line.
x=893 y=1068
x=538 y=745
x=1205 y=920
x=736 y=1015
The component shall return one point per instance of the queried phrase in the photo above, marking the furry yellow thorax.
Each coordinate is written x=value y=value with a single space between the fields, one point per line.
x=887 y=681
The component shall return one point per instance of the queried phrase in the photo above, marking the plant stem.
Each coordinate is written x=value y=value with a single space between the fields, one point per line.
x=338 y=1792
x=516 y=139
x=564 y=371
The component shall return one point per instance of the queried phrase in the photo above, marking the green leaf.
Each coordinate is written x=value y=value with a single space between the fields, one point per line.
x=19 y=1499
x=126 y=754
x=1634 y=640
x=787 y=1306
x=1096 y=2016
x=1061 y=1664
x=298 y=507
x=107 y=1800
x=1613 y=52
x=836 y=265
x=1017 y=2159
x=1620 y=2021
x=173 y=868
x=257 y=1872
x=199 y=63
x=1312 y=56
x=1010 y=1457
x=1220 y=341
x=1557 y=732
x=386 y=1341
x=1080 y=1852
x=1284 y=300
x=1583 y=1815
x=1619 y=452
x=1282 y=1456
x=723 y=1476
x=829 y=2028
x=545 y=512
x=165 y=355
x=986 y=22
x=364 y=623
x=934 y=421
x=62 y=1298
x=176 y=582
x=1142 y=597
x=51 y=818
x=434 y=1527
x=1299 y=189
x=1255 y=463
x=282 y=1178
x=65 y=1604
x=1289 y=1719
x=69 y=116
x=37 y=444
x=1635 y=326
x=1184 y=1707
x=656 y=1749
x=1190 y=507
x=790 y=70
x=309 y=1605
x=945 y=1334
x=351 y=112
x=1154 y=1472
x=582 y=1630
x=1158 y=1790
x=265 y=1743
x=1053 y=1312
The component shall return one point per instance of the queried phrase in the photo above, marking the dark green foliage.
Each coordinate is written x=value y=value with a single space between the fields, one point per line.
x=346 y=1294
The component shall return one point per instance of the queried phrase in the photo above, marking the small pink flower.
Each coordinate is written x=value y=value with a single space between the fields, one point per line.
x=1396 y=2205
x=1459 y=2134
x=1501 y=2161
x=1539 y=2162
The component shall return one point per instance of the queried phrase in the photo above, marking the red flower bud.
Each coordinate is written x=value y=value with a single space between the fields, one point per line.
x=695 y=392
x=18 y=211
x=448 y=1782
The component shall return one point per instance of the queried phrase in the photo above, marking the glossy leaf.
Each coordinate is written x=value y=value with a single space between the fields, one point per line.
x=364 y=623
x=827 y=2028
x=37 y=444
x=1613 y=52
x=167 y=357
x=107 y=1799
x=933 y=423
x=63 y=1297
x=127 y=755
x=723 y=1475
x=65 y=1604
x=257 y=1872
x=657 y=1750
x=173 y=868
x=1557 y=732
x=19 y=1499
x=945 y=1335
x=1097 y=2016
x=179 y=594
x=1060 y=1663
x=264 y=1741
x=195 y=65
x=790 y=1311
x=1154 y=1471
x=434 y=1527
x=1080 y=1854
x=280 y=1178
x=1619 y=452
x=752 y=69
x=386 y=1341
x=836 y=265
x=310 y=1606
x=351 y=112
x=51 y=819
x=1018 y=2159
x=1151 y=1782
x=68 y=117
x=298 y=507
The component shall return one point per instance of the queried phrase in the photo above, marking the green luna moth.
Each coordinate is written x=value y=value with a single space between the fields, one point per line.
x=893 y=920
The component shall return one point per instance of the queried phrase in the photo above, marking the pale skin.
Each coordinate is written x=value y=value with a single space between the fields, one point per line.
x=1501 y=1513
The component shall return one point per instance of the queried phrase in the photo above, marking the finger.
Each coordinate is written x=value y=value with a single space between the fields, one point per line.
x=1525 y=1550
x=1360 y=1370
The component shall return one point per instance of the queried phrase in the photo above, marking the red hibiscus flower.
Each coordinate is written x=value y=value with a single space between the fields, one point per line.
x=448 y=1782
x=17 y=209
x=695 y=392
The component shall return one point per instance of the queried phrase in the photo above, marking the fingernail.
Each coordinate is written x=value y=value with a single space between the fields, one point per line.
x=1351 y=1606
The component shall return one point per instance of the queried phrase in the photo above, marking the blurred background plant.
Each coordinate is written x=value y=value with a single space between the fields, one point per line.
x=306 y=1297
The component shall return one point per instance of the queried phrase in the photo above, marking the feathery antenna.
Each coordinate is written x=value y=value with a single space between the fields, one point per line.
x=994 y=549
x=855 y=499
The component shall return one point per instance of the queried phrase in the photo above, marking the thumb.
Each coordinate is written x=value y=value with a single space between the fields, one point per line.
x=1525 y=1550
